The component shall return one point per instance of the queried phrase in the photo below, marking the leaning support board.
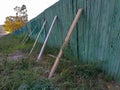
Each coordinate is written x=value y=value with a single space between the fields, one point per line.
x=26 y=33
x=46 y=39
x=38 y=37
x=25 y=37
x=29 y=35
x=65 y=42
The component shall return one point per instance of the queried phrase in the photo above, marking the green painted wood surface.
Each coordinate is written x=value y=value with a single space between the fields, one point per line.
x=96 y=37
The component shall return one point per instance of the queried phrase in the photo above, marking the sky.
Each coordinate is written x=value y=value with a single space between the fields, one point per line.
x=34 y=7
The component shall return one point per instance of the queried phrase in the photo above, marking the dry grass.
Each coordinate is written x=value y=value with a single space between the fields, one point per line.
x=31 y=75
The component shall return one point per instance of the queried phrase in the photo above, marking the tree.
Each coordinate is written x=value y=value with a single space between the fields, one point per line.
x=21 y=12
x=13 y=23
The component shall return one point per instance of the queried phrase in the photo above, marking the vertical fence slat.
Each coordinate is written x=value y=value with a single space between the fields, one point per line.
x=97 y=36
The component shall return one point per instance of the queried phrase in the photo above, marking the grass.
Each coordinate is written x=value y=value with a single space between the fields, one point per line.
x=27 y=74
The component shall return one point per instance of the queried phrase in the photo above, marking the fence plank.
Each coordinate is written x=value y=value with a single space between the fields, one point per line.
x=97 y=34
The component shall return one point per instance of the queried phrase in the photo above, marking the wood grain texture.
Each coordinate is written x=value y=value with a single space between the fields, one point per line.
x=96 y=37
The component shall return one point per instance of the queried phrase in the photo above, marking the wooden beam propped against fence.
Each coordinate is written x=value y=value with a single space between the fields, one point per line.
x=65 y=42
x=26 y=39
x=46 y=39
x=37 y=37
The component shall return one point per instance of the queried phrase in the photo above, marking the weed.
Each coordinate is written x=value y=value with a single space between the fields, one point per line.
x=27 y=74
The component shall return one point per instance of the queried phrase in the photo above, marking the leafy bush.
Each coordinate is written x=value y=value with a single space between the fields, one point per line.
x=13 y=23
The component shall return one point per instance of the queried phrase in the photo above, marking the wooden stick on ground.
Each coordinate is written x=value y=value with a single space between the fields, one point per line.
x=65 y=42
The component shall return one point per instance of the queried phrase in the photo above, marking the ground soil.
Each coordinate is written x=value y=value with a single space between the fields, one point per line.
x=18 y=55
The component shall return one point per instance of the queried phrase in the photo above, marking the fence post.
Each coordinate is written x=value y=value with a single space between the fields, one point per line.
x=65 y=42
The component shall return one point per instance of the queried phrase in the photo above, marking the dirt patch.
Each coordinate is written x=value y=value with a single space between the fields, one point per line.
x=113 y=85
x=16 y=56
x=1 y=58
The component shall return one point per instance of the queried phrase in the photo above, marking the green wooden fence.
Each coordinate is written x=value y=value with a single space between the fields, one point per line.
x=96 y=37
